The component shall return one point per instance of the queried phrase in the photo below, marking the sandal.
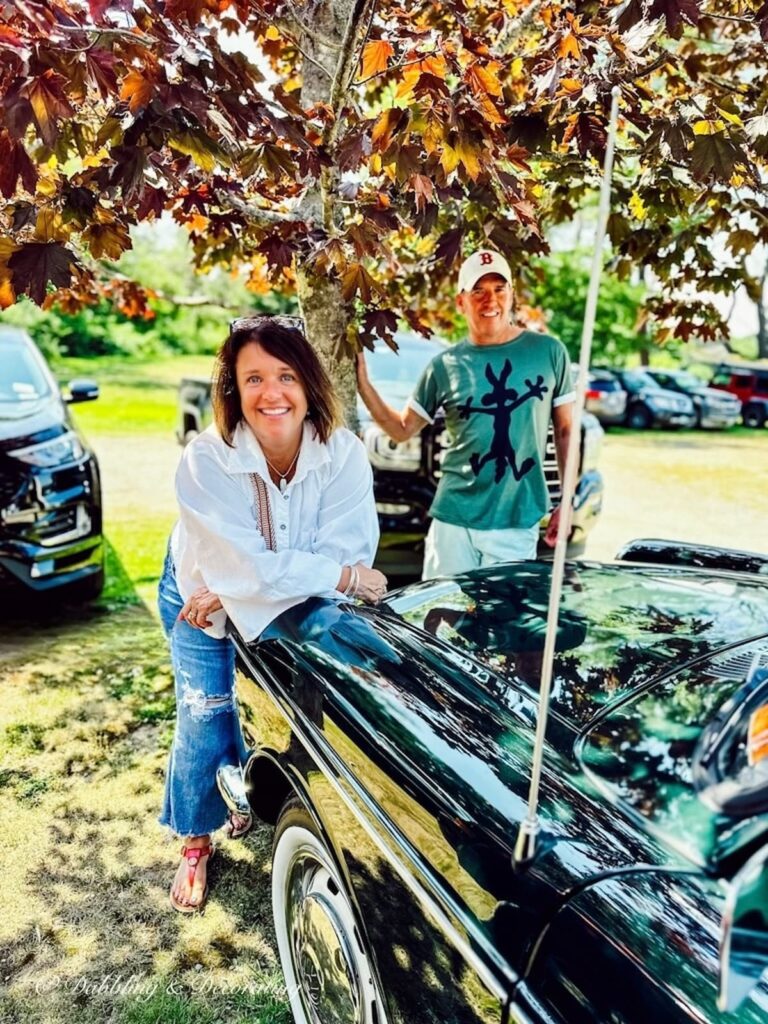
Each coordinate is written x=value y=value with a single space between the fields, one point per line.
x=192 y=855
x=232 y=830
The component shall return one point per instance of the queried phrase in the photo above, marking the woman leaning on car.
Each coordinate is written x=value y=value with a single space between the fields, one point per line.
x=276 y=505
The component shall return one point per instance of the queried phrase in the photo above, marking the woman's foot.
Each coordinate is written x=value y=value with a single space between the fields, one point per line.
x=190 y=886
x=237 y=825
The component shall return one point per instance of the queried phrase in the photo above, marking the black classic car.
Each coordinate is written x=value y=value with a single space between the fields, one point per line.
x=391 y=747
x=50 y=489
x=405 y=474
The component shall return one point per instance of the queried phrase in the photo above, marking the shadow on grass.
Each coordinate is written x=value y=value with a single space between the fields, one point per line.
x=89 y=935
x=31 y=614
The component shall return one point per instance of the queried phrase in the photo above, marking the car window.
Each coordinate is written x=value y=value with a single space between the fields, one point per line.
x=761 y=386
x=404 y=366
x=637 y=379
x=688 y=381
x=22 y=378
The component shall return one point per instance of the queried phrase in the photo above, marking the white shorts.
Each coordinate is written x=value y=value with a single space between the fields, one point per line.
x=449 y=549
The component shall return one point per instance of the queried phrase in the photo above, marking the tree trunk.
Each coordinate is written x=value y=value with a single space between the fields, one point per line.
x=326 y=315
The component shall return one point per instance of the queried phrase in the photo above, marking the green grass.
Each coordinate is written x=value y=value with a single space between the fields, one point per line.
x=136 y=396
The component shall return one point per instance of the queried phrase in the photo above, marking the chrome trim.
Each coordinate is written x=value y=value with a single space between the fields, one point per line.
x=438 y=914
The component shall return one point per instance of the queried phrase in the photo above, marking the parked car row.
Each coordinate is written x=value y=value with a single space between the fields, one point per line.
x=642 y=398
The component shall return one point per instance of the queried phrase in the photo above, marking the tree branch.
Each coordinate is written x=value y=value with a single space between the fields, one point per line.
x=355 y=35
x=516 y=27
x=258 y=215
x=394 y=67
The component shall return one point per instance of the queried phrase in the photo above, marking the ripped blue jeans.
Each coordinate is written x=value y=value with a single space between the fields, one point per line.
x=207 y=733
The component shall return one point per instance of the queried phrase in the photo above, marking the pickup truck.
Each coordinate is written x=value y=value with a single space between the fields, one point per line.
x=405 y=474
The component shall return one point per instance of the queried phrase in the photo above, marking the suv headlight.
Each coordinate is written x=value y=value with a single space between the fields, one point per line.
x=384 y=453
x=64 y=448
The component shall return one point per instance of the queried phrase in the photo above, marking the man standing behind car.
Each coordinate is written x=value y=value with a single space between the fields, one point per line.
x=498 y=390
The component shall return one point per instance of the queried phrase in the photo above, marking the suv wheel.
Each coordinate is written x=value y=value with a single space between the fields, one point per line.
x=325 y=958
x=753 y=416
x=639 y=417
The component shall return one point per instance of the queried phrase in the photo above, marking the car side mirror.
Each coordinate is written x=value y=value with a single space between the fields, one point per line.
x=82 y=389
x=744 y=933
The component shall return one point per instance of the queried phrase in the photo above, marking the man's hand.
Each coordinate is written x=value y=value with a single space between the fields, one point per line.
x=550 y=537
x=199 y=606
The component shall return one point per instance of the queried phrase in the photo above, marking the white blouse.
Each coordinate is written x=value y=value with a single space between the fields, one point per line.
x=325 y=519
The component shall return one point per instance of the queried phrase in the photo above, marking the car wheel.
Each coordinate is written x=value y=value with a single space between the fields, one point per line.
x=753 y=416
x=327 y=965
x=639 y=417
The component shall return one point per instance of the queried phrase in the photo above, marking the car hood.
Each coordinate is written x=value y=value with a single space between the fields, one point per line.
x=450 y=697
x=717 y=395
x=24 y=419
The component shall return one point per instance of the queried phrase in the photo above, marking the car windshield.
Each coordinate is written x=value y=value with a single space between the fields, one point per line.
x=637 y=379
x=645 y=753
x=405 y=365
x=687 y=381
x=22 y=378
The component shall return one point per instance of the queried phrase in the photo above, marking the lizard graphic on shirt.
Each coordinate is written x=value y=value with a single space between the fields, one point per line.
x=500 y=402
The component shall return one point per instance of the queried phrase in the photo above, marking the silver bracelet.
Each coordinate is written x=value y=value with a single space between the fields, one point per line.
x=354 y=579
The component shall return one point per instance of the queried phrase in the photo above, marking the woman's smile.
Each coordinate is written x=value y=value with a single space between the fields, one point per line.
x=272 y=399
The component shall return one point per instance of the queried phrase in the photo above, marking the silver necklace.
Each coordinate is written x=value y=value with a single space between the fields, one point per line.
x=283 y=481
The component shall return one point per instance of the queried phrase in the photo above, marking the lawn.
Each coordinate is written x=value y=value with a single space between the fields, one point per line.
x=86 y=933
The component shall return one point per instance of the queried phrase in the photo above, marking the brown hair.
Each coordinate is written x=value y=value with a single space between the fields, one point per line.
x=283 y=339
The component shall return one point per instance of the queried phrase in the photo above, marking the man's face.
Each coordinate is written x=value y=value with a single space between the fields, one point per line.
x=487 y=308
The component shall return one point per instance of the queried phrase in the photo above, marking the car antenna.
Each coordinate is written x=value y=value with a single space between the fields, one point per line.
x=525 y=845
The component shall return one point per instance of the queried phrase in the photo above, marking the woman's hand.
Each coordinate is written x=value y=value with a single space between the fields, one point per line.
x=199 y=606
x=371 y=584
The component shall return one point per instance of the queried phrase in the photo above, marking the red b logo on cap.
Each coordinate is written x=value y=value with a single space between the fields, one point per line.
x=486 y=258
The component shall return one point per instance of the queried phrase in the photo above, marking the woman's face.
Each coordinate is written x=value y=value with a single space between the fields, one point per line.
x=272 y=398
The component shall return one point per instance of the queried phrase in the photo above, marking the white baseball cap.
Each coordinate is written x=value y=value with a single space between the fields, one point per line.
x=480 y=263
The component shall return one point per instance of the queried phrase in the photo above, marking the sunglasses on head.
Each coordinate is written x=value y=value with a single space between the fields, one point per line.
x=252 y=323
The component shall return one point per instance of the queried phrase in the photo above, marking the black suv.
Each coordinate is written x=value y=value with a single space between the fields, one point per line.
x=50 y=490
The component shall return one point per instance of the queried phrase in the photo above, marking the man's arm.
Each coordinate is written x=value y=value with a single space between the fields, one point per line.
x=562 y=425
x=398 y=425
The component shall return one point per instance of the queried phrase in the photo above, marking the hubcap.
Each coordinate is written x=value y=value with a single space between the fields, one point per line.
x=321 y=929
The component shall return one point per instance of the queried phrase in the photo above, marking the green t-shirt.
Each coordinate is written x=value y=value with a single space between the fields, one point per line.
x=497 y=401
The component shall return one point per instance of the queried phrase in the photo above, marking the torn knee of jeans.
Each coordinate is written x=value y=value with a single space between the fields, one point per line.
x=201 y=706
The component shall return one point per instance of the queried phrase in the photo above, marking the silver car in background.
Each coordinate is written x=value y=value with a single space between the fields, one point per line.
x=605 y=398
